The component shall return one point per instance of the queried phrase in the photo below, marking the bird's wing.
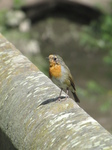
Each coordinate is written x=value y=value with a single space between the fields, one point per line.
x=72 y=82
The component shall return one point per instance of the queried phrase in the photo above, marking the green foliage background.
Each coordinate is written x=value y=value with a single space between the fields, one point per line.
x=99 y=36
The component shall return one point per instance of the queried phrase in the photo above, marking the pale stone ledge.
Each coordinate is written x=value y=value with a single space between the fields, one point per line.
x=31 y=118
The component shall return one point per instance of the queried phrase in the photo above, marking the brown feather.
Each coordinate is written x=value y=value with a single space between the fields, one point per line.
x=76 y=98
x=74 y=92
x=72 y=82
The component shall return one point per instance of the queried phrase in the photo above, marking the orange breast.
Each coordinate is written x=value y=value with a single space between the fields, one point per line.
x=55 y=71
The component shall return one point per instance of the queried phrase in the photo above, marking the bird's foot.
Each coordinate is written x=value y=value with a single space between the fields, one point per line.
x=66 y=97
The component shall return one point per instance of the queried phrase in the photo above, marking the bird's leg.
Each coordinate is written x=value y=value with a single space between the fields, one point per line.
x=60 y=94
x=67 y=93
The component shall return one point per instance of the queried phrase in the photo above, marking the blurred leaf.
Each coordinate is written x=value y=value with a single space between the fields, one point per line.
x=94 y=87
x=106 y=106
x=108 y=59
x=18 y=3
x=108 y=102
x=2 y=17
x=99 y=36
x=82 y=92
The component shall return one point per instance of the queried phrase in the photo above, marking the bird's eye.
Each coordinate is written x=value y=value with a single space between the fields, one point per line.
x=55 y=58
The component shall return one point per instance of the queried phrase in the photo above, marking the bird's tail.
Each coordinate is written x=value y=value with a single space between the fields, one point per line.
x=76 y=97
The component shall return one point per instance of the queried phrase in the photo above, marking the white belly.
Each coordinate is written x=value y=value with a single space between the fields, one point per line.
x=60 y=82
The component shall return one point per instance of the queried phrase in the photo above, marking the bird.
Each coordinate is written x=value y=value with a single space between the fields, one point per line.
x=60 y=74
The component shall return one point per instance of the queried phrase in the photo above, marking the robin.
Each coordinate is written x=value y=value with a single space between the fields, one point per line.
x=61 y=76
